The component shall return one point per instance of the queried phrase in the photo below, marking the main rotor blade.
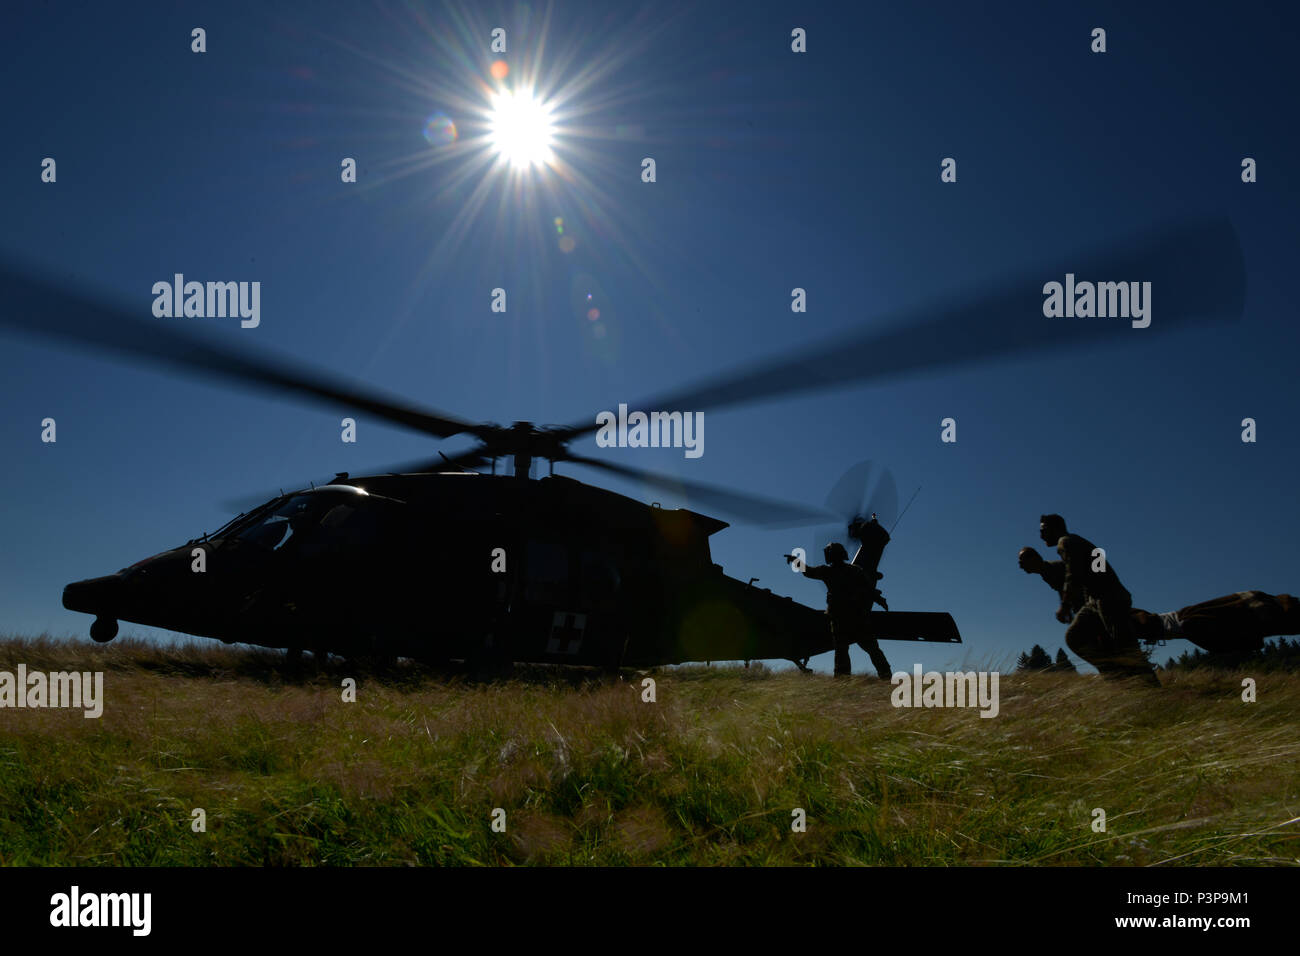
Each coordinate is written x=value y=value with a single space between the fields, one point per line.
x=1197 y=275
x=464 y=461
x=750 y=508
x=39 y=306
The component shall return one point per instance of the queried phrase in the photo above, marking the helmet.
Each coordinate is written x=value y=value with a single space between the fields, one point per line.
x=1053 y=525
x=835 y=552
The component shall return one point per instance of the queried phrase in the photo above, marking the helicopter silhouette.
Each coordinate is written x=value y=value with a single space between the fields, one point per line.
x=438 y=561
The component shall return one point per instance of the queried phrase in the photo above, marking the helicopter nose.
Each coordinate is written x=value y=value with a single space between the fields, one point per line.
x=94 y=595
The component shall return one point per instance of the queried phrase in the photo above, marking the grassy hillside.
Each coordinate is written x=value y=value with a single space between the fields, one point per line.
x=410 y=773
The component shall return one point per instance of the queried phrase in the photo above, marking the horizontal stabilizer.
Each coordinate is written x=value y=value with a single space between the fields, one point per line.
x=914 y=626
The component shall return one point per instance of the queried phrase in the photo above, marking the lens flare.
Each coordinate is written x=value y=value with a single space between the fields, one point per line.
x=439 y=129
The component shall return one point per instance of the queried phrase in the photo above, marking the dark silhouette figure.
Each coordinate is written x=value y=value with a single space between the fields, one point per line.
x=849 y=596
x=1095 y=605
x=1232 y=625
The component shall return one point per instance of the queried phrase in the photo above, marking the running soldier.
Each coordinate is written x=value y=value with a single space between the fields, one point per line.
x=1095 y=605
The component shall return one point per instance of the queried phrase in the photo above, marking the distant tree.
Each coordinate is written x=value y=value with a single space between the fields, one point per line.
x=1038 y=659
x=1063 y=662
x=1022 y=662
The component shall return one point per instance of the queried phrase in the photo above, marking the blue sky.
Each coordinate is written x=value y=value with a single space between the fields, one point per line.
x=775 y=170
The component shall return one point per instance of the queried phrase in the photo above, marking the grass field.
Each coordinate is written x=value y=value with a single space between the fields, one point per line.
x=587 y=773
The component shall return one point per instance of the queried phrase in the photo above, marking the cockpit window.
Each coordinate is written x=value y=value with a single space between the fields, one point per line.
x=279 y=526
x=316 y=525
x=346 y=529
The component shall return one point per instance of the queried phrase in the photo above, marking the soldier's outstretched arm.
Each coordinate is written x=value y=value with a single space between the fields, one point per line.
x=1053 y=572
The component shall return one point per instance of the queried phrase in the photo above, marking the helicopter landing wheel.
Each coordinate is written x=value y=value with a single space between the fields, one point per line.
x=491 y=667
x=612 y=666
x=491 y=660
x=103 y=630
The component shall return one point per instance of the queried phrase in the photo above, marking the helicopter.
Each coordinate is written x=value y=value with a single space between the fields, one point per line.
x=437 y=561
x=565 y=573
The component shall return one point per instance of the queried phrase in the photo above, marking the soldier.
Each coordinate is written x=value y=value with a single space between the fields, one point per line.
x=849 y=597
x=1097 y=608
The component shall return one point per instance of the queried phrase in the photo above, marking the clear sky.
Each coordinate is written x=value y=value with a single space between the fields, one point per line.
x=775 y=170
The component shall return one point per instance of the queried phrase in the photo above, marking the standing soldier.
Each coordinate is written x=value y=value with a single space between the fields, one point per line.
x=849 y=597
x=1093 y=602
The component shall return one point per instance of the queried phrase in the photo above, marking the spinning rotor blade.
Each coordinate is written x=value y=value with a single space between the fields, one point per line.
x=45 y=308
x=463 y=462
x=1197 y=275
x=847 y=494
x=845 y=500
x=750 y=508
x=848 y=497
x=883 y=502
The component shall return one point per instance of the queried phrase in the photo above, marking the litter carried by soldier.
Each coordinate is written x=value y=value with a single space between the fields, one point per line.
x=1233 y=626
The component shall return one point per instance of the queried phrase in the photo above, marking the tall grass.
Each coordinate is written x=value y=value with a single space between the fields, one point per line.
x=588 y=773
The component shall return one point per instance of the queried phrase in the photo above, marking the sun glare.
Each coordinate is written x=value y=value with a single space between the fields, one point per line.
x=521 y=128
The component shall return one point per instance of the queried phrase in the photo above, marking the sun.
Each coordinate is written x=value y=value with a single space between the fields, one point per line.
x=521 y=128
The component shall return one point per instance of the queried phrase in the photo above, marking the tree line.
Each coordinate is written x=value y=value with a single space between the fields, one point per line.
x=1038 y=660
x=1281 y=654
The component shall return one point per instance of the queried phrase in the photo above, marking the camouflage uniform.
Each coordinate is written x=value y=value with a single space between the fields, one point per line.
x=849 y=597
x=1235 y=624
x=1101 y=631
